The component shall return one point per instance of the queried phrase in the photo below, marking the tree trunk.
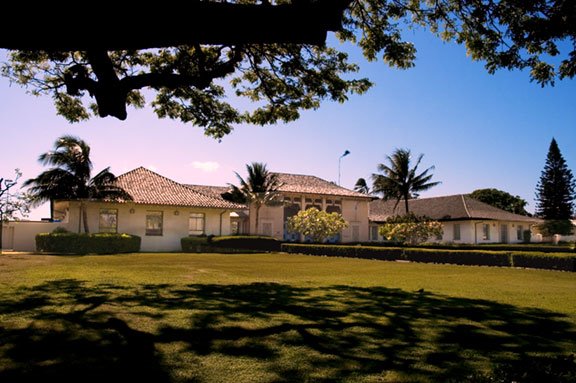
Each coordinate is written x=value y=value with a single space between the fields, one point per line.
x=1 y=230
x=85 y=220
x=257 y=217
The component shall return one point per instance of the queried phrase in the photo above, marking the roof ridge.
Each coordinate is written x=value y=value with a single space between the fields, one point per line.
x=149 y=171
x=465 y=206
x=191 y=187
x=304 y=175
x=178 y=184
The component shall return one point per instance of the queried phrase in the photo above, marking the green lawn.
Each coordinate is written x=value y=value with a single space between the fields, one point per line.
x=273 y=318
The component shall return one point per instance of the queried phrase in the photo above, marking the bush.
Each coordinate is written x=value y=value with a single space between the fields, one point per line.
x=410 y=228
x=316 y=224
x=538 y=247
x=74 y=243
x=381 y=253
x=459 y=257
x=544 y=261
x=327 y=250
x=194 y=244
x=526 y=236
x=247 y=242
x=229 y=244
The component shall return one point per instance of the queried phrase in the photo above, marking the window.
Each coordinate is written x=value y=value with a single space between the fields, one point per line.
x=154 y=222
x=457 y=232
x=234 y=227
x=108 y=222
x=519 y=232
x=267 y=228
x=355 y=233
x=196 y=224
x=486 y=231
x=374 y=232
x=333 y=209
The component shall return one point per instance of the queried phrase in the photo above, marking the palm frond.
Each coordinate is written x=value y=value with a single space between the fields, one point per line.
x=399 y=180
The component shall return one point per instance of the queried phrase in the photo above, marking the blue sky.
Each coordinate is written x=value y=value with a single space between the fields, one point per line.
x=478 y=130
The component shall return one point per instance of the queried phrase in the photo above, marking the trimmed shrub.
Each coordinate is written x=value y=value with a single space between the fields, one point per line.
x=547 y=261
x=458 y=257
x=247 y=242
x=327 y=250
x=81 y=243
x=526 y=236
x=229 y=244
x=545 y=248
x=381 y=253
x=194 y=244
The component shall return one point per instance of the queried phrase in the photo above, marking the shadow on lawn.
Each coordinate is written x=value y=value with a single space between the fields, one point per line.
x=76 y=333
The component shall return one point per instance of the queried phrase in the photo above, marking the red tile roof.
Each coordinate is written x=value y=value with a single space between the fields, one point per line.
x=298 y=183
x=147 y=187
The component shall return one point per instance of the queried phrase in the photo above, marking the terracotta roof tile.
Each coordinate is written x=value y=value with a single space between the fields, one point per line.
x=211 y=191
x=297 y=183
x=147 y=187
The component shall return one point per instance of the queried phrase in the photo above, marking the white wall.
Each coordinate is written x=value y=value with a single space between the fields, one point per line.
x=21 y=235
x=471 y=232
x=269 y=216
x=132 y=220
x=355 y=212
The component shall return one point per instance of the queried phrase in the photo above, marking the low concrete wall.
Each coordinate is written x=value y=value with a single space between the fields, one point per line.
x=21 y=235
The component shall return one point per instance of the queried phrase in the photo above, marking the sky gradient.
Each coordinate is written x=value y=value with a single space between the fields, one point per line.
x=478 y=130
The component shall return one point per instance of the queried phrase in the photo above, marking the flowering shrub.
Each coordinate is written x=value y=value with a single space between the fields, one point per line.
x=410 y=229
x=316 y=225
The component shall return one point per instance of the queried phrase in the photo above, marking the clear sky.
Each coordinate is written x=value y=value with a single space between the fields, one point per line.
x=478 y=130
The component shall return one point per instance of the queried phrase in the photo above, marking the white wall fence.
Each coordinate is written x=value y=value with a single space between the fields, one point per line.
x=21 y=235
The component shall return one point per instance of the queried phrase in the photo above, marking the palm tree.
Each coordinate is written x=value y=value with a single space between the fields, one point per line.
x=258 y=189
x=399 y=181
x=70 y=177
x=361 y=186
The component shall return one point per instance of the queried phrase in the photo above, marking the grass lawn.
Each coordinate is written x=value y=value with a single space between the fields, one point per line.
x=273 y=318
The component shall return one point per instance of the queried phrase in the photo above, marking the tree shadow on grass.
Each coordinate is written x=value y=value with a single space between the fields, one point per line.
x=110 y=333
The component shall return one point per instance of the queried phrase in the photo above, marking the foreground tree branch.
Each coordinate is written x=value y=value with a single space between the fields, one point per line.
x=199 y=22
x=270 y=52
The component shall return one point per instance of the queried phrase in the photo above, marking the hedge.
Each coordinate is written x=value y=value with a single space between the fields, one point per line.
x=195 y=244
x=247 y=242
x=544 y=261
x=382 y=253
x=537 y=247
x=459 y=257
x=81 y=243
x=550 y=261
x=229 y=244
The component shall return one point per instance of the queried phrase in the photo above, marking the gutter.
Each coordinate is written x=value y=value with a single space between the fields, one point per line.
x=221 y=214
x=476 y=232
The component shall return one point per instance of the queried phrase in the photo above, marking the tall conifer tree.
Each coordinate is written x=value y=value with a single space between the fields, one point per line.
x=555 y=193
